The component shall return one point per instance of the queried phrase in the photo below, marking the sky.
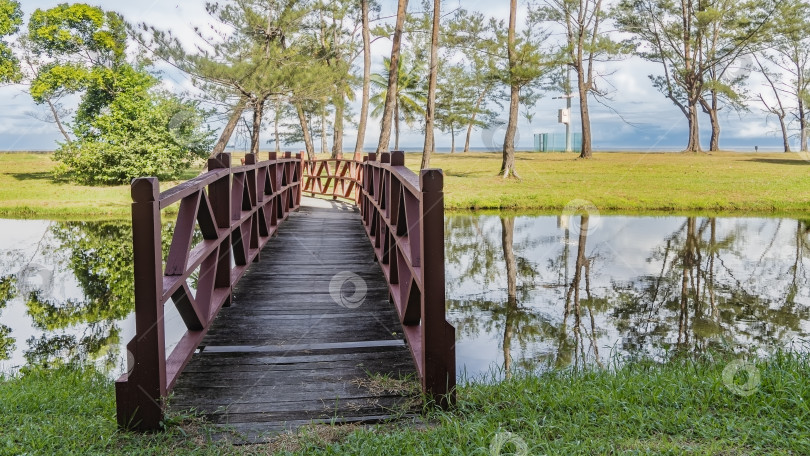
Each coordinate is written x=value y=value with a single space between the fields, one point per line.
x=636 y=115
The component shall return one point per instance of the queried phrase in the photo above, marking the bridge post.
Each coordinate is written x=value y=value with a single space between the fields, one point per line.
x=300 y=176
x=438 y=336
x=139 y=394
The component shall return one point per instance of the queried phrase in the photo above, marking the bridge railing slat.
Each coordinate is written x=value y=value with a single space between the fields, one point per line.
x=233 y=217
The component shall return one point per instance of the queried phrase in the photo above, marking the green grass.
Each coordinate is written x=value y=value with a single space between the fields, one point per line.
x=642 y=408
x=629 y=182
x=725 y=182
x=28 y=190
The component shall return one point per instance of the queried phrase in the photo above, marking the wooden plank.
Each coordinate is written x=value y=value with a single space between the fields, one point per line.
x=285 y=353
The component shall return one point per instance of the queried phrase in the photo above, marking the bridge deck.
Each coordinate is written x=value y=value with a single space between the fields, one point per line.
x=286 y=352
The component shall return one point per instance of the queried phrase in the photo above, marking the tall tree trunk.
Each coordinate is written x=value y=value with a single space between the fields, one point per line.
x=431 y=101
x=802 y=125
x=785 y=135
x=302 y=118
x=337 y=139
x=694 y=129
x=507 y=238
x=585 y=151
x=452 y=140
x=258 y=112
x=233 y=120
x=393 y=75
x=275 y=126
x=396 y=126
x=508 y=163
x=361 y=129
x=323 y=129
x=711 y=110
x=472 y=119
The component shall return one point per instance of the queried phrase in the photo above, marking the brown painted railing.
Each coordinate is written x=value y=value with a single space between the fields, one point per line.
x=335 y=177
x=404 y=217
x=237 y=210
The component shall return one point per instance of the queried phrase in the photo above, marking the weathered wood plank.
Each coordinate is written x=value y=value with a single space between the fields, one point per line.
x=286 y=353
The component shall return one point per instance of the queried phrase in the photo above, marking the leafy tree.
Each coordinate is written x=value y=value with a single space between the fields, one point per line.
x=409 y=97
x=126 y=128
x=476 y=38
x=10 y=21
x=456 y=102
x=7 y=291
x=586 y=44
x=525 y=64
x=263 y=53
x=64 y=49
x=692 y=40
x=789 y=52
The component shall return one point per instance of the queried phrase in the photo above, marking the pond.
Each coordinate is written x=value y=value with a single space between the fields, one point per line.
x=523 y=292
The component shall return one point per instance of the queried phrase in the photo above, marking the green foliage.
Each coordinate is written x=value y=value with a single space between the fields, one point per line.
x=410 y=99
x=125 y=128
x=7 y=291
x=10 y=21
x=72 y=29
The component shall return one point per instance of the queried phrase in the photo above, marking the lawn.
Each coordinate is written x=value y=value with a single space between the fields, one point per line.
x=726 y=182
x=691 y=405
x=28 y=190
x=635 y=182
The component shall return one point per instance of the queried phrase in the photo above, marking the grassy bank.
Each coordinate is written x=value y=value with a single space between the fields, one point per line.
x=636 y=182
x=642 y=408
x=733 y=183
x=28 y=190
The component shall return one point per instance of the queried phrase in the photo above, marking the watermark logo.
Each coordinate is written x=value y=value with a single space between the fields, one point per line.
x=740 y=70
x=493 y=136
x=508 y=443
x=589 y=220
x=34 y=277
x=348 y=289
x=736 y=369
x=130 y=362
x=182 y=127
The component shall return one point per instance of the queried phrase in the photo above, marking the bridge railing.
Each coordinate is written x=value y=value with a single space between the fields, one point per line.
x=335 y=177
x=404 y=217
x=236 y=210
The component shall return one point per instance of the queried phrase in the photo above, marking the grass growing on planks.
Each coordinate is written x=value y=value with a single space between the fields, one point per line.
x=642 y=408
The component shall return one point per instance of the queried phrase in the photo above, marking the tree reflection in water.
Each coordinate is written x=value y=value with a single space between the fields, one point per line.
x=99 y=254
x=558 y=299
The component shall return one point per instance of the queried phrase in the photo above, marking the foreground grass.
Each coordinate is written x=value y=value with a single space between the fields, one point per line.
x=642 y=408
x=635 y=182
x=733 y=183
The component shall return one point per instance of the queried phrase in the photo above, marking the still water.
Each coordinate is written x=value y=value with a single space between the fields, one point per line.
x=523 y=292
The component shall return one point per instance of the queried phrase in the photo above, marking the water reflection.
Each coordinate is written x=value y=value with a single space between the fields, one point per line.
x=65 y=286
x=523 y=292
x=557 y=292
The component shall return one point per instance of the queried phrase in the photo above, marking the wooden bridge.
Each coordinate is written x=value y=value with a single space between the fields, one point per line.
x=348 y=297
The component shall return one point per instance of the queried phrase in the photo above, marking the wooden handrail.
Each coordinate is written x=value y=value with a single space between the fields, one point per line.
x=404 y=218
x=237 y=210
x=335 y=177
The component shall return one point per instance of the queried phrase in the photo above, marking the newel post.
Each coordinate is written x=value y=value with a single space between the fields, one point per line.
x=219 y=194
x=140 y=393
x=438 y=336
